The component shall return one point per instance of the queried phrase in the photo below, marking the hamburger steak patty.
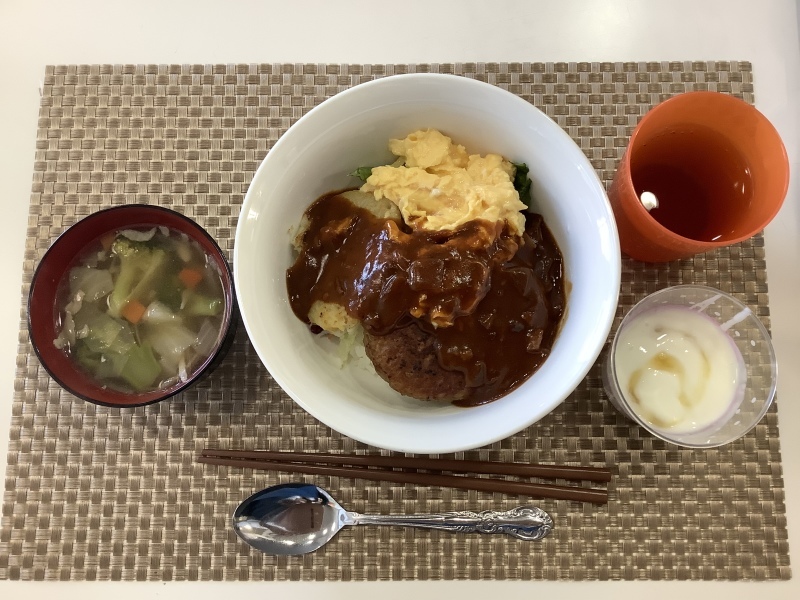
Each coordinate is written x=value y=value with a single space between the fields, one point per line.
x=406 y=359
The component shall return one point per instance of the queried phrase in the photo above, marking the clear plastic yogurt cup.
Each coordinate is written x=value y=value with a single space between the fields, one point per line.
x=693 y=366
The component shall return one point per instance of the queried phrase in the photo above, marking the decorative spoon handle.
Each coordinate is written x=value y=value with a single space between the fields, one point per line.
x=526 y=523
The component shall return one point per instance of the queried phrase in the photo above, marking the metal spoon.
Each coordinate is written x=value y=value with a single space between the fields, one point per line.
x=297 y=518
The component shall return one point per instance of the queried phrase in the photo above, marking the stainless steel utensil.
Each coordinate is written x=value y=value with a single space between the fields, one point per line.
x=297 y=518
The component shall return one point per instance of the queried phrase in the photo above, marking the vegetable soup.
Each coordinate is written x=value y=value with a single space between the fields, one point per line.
x=140 y=309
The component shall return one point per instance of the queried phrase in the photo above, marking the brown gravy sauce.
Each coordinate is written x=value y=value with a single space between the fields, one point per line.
x=492 y=301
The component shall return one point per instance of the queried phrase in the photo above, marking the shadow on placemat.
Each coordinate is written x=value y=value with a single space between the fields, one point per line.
x=95 y=493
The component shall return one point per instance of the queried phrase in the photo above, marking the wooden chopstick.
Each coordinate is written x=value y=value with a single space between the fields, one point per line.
x=536 y=490
x=572 y=473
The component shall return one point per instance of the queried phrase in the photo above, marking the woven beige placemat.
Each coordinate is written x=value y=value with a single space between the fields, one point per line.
x=94 y=493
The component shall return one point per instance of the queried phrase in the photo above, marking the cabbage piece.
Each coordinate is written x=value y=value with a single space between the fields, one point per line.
x=170 y=341
x=201 y=305
x=182 y=374
x=102 y=366
x=141 y=369
x=108 y=335
x=75 y=304
x=91 y=361
x=87 y=314
x=68 y=334
x=206 y=338
x=182 y=249
x=104 y=333
x=158 y=312
x=137 y=366
x=94 y=283
x=138 y=236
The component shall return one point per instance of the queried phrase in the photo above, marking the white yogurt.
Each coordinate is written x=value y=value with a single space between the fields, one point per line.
x=678 y=370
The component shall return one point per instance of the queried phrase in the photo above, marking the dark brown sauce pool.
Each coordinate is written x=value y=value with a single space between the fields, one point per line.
x=493 y=302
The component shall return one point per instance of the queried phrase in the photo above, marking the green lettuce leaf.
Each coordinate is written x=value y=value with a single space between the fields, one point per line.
x=362 y=173
x=522 y=183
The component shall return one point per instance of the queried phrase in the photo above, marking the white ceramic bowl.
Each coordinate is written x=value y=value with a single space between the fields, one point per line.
x=352 y=129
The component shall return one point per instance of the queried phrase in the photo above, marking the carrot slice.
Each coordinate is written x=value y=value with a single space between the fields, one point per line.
x=133 y=311
x=190 y=277
x=107 y=239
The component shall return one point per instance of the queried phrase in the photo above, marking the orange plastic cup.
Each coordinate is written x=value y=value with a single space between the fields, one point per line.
x=717 y=167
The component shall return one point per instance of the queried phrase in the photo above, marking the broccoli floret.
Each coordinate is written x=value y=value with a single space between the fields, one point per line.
x=140 y=265
x=123 y=246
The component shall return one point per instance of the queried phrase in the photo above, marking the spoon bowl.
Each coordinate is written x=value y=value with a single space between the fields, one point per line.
x=293 y=518
x=298 y=518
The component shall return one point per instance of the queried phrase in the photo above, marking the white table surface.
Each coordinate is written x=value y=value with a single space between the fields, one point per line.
x=34 y=33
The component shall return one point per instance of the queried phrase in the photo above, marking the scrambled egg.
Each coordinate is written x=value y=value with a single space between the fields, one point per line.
x=437 y=185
